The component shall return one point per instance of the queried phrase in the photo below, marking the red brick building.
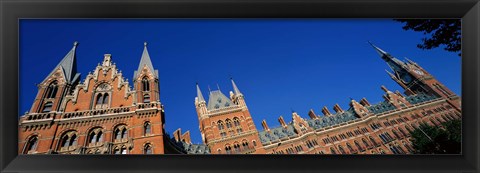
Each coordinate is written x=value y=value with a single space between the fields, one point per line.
x=104 y=115
x=227 y=127
x=101 y=115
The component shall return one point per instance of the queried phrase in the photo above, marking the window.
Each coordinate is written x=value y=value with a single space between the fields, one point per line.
x=95 y=136
x=99 y=99
x=146 y=98
x=236 y=121
x=120 y=132
x=254 y=143
x=228 y=149
x=31 y=145
x=220 y=125
x=68 y=141
x=229 y=123
x=147 y=128
x=373 y=141
x=105 y=98
x=332 y=151
x=359 y=147
x=365 y=142
x=340 y=148
x=52 y=90
x=148 y=149
x=47 y=107
x=124 y=150
x=145 y=84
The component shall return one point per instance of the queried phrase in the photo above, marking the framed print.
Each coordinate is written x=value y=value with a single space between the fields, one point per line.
x=239 y=86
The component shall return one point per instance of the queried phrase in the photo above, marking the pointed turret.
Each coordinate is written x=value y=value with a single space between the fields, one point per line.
x=235 y=89
x=145 y=61
x=379 y=51
x=68 y=65
x=200 y=95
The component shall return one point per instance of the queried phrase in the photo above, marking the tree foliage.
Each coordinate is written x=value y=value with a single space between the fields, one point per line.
x=438 y=140
x=446 y=32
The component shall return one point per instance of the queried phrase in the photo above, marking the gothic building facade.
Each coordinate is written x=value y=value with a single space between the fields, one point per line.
x=103 y=114
x=227 y=127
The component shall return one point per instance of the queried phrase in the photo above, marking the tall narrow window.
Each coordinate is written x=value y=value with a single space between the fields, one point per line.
x=47 y=107
x=105 y=98
x=145 y=84
x=147 y=128
x=148 y=149
x=52 y=90
x=31 y=145
x=68 y=140
x=99 y=99
x=146 y=98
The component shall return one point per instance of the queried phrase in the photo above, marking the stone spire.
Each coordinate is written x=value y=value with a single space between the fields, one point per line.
x=379 y=51
x=68 y=65
x=145 y=61
x=200 y=95
x=235 y=89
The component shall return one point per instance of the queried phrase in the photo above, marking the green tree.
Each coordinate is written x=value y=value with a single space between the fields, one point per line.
x=446 y=32
x=438 y=140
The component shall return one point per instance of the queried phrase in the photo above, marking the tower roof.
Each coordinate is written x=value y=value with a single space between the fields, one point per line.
x=235 y=88
x=394 y=63
x=145 y=61
x=69 y=65
x=199 y=94
x=217 y=100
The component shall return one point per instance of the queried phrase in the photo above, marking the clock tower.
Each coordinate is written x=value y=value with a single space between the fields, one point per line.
x=414 y=79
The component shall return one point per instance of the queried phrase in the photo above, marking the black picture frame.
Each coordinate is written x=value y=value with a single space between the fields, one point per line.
x=12 y=11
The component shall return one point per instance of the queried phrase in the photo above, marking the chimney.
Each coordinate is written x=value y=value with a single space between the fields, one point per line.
x=364 y=102
x=312 y=114
x=265 y=126
x=281 y=120
x=325 y=111
x=337 y=108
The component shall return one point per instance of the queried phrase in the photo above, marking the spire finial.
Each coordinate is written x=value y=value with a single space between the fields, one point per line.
x=199 y=94
x=235 y=88
x=379 y=51
x=75 y=43
x=218 y=87
x=145 y=43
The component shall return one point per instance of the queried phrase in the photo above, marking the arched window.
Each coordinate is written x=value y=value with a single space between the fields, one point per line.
x=229 y=123
x=332 y=151
x=254 y=143
x=220 y=125
x=373 y=141
x=47 y=107
x=105 y=98
x=52 y=90
x=68 y=141
x=358 y=146
x=31 y=145
x=124 y=150
x=350 y=148
x=236 y=121
x=95 y=136
x=340 y=148
x=365 y=142
x=120 y=132
x=146 y=98
x=145 y=84
x=147 y=128
x=147 y=149
x=99 y=99
x=228 y=149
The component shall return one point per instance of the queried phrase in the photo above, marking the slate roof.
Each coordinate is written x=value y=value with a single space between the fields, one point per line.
x=69 y=66
x=216 y=100
x=145 y=60
x=191 y=148
x=278 y=133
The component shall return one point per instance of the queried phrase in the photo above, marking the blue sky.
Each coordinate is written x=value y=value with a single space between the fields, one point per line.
x=278 y=64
